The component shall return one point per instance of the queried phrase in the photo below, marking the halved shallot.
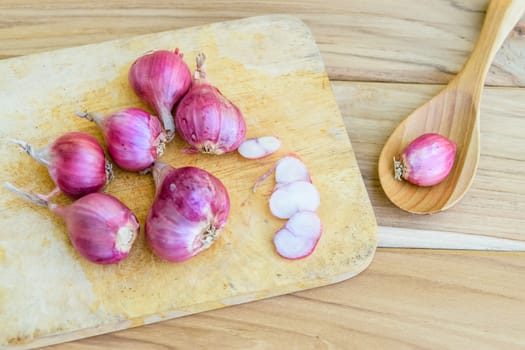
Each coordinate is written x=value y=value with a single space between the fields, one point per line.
x=259 y=147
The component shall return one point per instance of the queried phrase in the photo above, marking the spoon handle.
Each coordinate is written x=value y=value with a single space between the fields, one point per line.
x=500 y=19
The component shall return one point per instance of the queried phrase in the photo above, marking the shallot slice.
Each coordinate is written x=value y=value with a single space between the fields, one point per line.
x=299 y=236
x=259 y=147
x=288 y=169
x=291 y=198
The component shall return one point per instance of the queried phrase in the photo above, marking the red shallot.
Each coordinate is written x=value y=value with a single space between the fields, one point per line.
x=426 y=161
x=190 y=208
x=294 y=198
x=206 y=119
x=299 y=236
x=135 y=138
x=160 y=79
x=76 y=163
x=100 y=227
x=259 y=147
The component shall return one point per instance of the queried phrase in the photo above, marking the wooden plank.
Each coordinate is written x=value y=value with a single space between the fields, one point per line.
x=406 y=299
x=398 y=237
x=374 y=40
x=271 y=67
x=495 y=203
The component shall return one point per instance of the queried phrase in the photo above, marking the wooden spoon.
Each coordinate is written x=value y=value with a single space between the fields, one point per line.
x=453 y=113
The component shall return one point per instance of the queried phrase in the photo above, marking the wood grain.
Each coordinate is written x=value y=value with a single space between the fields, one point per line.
x=454 y=114
x=407 y=299
x=259 y=63
x=495 y=203
x=426 y=42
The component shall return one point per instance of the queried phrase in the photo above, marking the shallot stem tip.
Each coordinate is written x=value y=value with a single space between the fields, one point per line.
x=28 y=196
x=200 y=73
x=26 y=147
x=109 y=172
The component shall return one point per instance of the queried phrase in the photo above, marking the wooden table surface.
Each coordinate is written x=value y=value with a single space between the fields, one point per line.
x=384 y=58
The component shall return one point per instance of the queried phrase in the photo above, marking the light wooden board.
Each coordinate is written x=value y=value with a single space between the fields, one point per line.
x=271 y=67
x=407 y=298
x=402 y=41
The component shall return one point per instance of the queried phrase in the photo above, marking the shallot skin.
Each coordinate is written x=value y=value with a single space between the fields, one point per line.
x=190 y=208
x=100 y=227
x=160 y=79
x=426 y=161
x=206 y=119
x=75 y=161
x=69 y=169
x=134 y=138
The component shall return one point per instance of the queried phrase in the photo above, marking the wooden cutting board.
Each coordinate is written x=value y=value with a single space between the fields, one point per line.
x=271 y=68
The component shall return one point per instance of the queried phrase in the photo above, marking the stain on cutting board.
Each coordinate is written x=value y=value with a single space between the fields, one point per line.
x=271 y=68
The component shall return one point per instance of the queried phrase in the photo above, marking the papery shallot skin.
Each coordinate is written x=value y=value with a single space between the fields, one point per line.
x=426 y=161
x=134 y=138
x=206 y=119
x=77 y=164
x=101 y=228
x=75 y=161
x=160 y=79
x=190 y=208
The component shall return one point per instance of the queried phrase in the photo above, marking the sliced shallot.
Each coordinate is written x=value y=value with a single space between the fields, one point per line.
x=290 y=169
x=287 y=169
x=299 y=236
x=293 y=197
x=259 y=147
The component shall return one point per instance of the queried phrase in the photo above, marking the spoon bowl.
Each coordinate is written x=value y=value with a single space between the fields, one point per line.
x=453 y=113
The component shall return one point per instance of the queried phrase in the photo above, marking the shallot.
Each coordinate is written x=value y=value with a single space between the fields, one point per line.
x=426 y=161
x=76 y=163
x=190 y=208
x=160 y=79
x=294 y=198
x=288 y=169
x=259 y=147
x=135 y=138
x=206 y=119
x=299 y=236
x=100 y=227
